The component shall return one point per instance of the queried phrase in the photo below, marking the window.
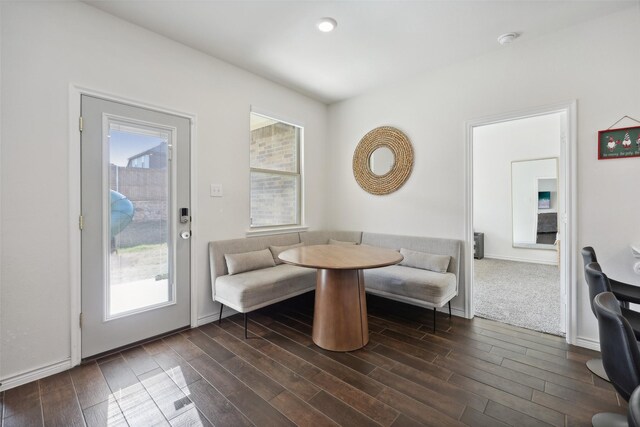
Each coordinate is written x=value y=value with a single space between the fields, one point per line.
x=140 y=162
x=275 y=172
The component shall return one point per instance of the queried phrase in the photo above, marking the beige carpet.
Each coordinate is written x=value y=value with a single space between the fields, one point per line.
x=518 y=293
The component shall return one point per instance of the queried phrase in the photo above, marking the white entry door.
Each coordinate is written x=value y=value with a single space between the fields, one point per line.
x=135 y=224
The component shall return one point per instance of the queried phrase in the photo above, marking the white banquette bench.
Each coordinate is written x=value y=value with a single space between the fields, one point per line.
x=246 y=273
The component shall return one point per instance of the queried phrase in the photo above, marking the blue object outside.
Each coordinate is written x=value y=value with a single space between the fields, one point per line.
x=121 y=212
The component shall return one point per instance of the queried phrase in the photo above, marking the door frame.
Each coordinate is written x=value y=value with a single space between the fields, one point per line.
x=567 y=164
x=75 y=265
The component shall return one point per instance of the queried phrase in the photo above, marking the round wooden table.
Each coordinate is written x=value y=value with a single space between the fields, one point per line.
x=340 y=315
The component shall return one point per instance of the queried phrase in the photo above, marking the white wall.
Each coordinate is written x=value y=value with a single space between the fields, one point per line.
x=589 y=62
x=495 y=146
x=46 y=47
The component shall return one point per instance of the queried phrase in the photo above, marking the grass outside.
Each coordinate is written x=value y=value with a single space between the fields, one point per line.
x=138 y=263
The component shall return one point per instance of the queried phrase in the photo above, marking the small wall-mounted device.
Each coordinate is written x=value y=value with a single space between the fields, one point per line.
x=184 y=215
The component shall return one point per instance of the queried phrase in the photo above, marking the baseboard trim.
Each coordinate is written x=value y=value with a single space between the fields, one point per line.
x=35 y=374
x=207 y=319
x=454 y=311
x=531 y=261
x=589 y=343
x=215 y=316
x=459 y=312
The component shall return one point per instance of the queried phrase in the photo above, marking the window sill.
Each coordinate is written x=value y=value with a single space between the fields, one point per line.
x=276 y=230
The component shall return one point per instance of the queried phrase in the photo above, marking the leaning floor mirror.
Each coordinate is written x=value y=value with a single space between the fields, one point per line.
x=534 y=203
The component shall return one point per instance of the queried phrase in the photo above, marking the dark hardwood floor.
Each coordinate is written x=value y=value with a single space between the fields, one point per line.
x=477 y=373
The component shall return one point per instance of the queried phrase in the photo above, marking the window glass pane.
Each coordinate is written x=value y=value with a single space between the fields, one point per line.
x=274 y=145
x=274 y=199
x=138 y=227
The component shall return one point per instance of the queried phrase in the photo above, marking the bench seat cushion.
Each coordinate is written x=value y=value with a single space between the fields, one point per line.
x=431 y=287
x=251 y=290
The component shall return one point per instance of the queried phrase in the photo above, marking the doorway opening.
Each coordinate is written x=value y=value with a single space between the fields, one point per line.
x=519 y=172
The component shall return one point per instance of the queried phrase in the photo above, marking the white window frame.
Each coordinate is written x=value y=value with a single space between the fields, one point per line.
x=299 y=225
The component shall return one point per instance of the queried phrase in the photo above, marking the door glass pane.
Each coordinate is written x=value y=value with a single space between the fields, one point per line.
x=139 y=257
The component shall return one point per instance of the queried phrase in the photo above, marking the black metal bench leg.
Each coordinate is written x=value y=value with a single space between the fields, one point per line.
x=220 y=317
x=245 y=326
x=449 y=309
x=434 y=320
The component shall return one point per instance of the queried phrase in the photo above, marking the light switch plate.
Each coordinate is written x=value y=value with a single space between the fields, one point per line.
x=216 y=190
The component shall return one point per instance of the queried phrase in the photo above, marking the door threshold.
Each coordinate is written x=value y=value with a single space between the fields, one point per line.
x=132 y=345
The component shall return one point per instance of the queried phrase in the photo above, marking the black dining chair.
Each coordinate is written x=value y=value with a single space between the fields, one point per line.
x=599 y=282
x=620 y=354
x=624 y=292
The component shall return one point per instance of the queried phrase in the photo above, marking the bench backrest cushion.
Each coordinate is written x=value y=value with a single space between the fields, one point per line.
x=432 y=245
x=323 y=237
x=425 y=260
x=249 y=261
x=277 y=250
x=218 y=249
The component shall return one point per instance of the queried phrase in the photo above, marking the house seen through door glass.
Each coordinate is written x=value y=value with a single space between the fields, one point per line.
x=139 y=256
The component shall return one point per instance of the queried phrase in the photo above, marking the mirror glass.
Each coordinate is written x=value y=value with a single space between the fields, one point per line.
x=534 y=202
x=381 y=160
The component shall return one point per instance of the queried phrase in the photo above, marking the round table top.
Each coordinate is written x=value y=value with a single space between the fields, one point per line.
x=341 y=257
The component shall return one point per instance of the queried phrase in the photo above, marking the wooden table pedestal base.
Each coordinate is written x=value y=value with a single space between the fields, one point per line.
x=340 y=317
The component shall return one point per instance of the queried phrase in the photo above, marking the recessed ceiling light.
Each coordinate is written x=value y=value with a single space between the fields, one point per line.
x=507 y=38
x=327 y=25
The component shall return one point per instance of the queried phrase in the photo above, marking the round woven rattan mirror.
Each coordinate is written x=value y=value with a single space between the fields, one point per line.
x=399 y=144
